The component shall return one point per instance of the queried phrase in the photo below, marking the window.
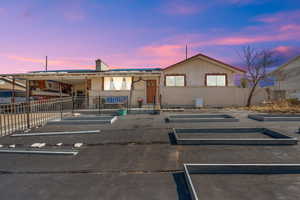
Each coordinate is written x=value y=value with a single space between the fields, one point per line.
x=216 y=80
x=175 y=80
x=117 y=83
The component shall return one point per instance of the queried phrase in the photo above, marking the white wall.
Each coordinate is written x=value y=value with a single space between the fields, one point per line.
x=213 y=96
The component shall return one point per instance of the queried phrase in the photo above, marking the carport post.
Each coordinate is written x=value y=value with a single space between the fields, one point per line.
x=60 y=97
x=28 y=103
x=13 y=90
x=72 y=93
x=99 y=104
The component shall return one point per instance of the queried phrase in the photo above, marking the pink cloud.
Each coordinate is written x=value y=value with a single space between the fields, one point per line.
x=63 y=63
x=290 y=27
x=281 y=17
x=161 y=50
x=180 y=7
x=163 y=54
x=239 y=40
x=282 y=49
x=287 y=51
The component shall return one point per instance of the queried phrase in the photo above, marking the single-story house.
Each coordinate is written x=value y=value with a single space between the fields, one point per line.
x=199 y=79
x=287 y=80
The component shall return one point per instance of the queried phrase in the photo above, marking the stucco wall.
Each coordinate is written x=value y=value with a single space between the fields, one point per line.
x=212 y=96
x=195 y=71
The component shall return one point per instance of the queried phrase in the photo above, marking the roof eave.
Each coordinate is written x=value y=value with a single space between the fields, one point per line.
x=235 y=69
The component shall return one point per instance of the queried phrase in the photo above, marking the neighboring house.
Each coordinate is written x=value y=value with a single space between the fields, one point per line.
x=14 y=91
x=196 y=79
x=7 y=90
x=287 y=80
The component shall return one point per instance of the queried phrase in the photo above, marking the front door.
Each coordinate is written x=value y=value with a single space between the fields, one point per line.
x=151 y=91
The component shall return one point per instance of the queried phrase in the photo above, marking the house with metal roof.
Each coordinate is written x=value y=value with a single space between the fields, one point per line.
x=196 y=81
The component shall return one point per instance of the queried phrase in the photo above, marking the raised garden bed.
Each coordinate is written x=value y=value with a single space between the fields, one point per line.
x=232 y=136
x=275 y=117
x=85 y=120
x=234 y=169
x=179 y=118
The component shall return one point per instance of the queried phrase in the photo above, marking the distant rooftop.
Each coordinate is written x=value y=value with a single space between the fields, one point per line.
x=91 y=70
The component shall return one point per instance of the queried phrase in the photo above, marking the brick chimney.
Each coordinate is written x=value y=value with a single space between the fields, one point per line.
x=101 y=66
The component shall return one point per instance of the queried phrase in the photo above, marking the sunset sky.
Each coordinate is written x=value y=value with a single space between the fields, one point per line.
x=140 y=33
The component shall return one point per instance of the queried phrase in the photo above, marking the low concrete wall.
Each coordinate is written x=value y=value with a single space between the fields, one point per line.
x=212 y=96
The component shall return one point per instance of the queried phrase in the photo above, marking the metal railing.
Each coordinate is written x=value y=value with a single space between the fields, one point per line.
x=22 y=116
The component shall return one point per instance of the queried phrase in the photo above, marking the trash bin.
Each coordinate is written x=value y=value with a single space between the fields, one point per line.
x=122 y=112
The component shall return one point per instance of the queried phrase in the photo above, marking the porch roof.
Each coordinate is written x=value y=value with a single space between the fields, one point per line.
x=60 y=75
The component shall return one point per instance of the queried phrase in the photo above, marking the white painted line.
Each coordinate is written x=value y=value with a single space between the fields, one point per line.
x=56 y=133
x=59 y=144
x=190 y=183
x=38 y=145
x=49 y=152
x=251 y=165
x=12 y=146
x=77 y=145
x=1 y=145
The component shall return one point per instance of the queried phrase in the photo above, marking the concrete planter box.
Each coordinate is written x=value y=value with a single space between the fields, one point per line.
x=271 y=137
x=272 y=117
x=85 y=120
x=190 y=169
x=200 y=118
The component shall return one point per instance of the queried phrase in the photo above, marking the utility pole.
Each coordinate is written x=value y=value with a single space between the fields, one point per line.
x=46 y=63
x=186 y=52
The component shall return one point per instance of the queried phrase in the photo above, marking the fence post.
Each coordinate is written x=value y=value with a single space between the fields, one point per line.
x=99 y=104
x=28 y=103
x=73 y=103
x=154 y=103
x=61 y=106
x=1 y=125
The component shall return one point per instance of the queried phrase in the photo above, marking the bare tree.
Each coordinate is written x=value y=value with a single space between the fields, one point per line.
x=257 y=63
x=132 y=88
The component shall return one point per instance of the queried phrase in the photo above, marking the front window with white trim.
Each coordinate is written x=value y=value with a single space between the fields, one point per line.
x=175 y=80
x=117 y=83
x=216 y=80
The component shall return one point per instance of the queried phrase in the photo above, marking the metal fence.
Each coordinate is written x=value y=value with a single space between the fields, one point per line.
x=101 y=102
x=21 y=116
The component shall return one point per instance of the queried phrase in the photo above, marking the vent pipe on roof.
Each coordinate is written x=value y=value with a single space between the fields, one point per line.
x=101 y=66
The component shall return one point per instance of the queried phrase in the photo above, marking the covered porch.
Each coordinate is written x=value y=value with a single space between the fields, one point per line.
x=91 y=90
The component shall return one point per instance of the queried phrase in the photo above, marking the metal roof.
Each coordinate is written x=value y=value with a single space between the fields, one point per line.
x=90 y=70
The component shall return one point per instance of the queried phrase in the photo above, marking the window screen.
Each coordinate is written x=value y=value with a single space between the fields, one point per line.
x=216 y=80
x=177 y=80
